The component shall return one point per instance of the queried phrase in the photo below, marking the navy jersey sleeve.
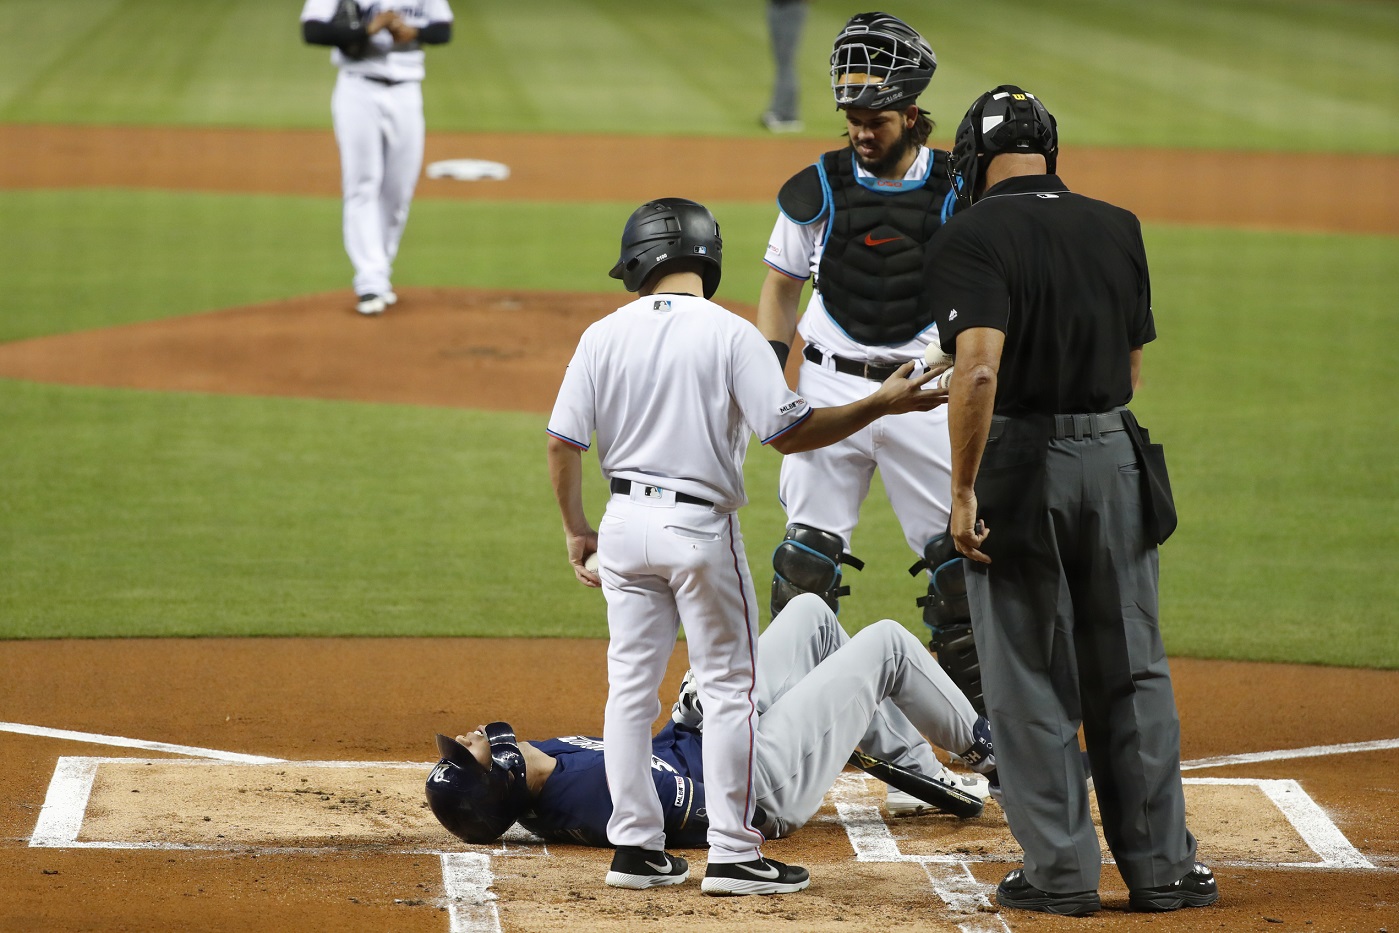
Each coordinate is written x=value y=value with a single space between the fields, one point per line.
x=575 y=804
x=677 y=770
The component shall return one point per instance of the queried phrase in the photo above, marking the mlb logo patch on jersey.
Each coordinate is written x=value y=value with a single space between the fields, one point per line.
x=660 y=305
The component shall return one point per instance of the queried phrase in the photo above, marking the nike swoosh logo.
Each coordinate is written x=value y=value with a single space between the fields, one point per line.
x=871 y=241
x=664 y=867
x=769 y=874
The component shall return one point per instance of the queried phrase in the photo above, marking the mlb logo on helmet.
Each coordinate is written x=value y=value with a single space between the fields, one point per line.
x=702 y=250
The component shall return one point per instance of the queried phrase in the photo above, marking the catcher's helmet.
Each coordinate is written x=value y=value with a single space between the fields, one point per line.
x=474 y=804
x=1006 y=119
x=667 y=229
x=879 y=62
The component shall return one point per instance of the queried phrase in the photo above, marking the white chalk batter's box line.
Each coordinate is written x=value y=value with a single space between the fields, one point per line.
x=467 y=876
x=872 y=840
x=65 y=807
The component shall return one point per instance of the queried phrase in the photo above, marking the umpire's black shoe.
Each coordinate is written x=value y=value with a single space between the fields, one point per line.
x=1016 y=891
x=1196 y=889
x=637 y=868
x=760 y=876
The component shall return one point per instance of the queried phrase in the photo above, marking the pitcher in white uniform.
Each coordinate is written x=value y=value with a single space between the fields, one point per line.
x=673 y=386
x=377 y=109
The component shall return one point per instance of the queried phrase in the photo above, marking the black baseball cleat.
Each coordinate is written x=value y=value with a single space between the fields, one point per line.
x=760 y=876
x=1196 y=889
x=637 y=868
x=1016 y=891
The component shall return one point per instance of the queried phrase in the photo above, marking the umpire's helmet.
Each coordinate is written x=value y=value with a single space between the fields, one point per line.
x=1006 y=119
x=879 y=63
x=667 y=229
x=474 y=804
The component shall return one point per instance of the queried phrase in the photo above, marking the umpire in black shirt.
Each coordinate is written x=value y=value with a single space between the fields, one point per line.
x=1043 y=297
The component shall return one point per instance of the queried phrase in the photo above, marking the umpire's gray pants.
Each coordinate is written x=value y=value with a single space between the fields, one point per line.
x=1073 y=638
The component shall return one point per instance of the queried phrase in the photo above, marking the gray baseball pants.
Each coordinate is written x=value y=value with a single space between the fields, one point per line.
x=1069 y=638
x=821 y=693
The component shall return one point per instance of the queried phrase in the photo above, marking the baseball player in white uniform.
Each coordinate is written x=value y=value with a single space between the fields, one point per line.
x=673 y=386
x=377 y=109
x=858 y=224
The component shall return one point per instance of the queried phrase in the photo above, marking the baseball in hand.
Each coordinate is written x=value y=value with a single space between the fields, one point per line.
x=591 y=564
x=933 y=356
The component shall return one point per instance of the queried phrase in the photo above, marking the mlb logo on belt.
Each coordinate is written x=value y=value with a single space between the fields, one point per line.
x=651 y=492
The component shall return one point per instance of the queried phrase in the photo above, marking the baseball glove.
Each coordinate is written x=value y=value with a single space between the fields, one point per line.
x=348 y=19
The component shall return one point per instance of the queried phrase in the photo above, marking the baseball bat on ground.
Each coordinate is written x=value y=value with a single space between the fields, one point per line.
x=955 y=801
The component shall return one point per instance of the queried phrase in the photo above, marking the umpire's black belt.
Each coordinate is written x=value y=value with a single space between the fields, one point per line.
x=622 y=487
x=851 y=367
x=1075 y=427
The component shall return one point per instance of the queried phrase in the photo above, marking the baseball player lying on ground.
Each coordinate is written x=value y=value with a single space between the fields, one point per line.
x=821 y=695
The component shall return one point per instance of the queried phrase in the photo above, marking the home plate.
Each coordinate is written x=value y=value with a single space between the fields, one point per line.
x=468 y=170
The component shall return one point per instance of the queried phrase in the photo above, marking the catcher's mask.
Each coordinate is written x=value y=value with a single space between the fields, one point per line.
x=879 y=62
x=667 y=229
x=1006 y=119
x=474 y=804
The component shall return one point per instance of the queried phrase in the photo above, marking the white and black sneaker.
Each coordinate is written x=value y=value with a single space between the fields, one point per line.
x=760 y=876
x=370 y=305
x=637 y=868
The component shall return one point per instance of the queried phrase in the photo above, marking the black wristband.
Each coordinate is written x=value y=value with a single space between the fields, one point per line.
x=782 y=350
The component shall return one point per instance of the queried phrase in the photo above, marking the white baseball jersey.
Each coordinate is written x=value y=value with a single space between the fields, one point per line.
x=383 y=57
x=683 y=420
x=795 y=250
x=673 y=386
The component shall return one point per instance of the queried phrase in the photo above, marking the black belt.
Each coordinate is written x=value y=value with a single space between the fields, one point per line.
x=851 y=367
x=378 y=80
x=1076 y=427
x=622 y=487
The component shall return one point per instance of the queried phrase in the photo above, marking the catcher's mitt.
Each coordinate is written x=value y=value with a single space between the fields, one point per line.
x=348 y=18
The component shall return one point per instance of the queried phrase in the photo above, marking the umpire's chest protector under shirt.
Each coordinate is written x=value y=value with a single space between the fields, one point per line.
x=1063 y=276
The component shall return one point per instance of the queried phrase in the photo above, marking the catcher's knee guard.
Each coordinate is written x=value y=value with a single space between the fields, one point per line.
x=947 y=615
x=808 y=561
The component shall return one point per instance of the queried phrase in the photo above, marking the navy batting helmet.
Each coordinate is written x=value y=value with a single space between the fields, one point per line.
x=1006 y=119
x=879 y=62
x=475 y=804
x=664 y=230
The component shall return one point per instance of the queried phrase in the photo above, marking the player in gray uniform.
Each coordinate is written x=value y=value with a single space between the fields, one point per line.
x=821 y=693
x=377 y=108
x=858 y=224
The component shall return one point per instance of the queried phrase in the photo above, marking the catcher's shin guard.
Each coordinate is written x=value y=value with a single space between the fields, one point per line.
x=948 y=617
x=808 y=561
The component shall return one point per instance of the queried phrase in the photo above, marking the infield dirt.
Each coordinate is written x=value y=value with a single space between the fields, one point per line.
x=381 y=700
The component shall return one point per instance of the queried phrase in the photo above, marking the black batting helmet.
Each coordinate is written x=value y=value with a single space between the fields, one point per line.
x=1006 y=119
x=879 y=62
x=667 y=229
x=475 y=804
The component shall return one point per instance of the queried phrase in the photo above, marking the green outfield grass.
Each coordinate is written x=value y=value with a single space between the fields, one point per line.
x=1281 y=74
x=135 y=513
x=141 y=513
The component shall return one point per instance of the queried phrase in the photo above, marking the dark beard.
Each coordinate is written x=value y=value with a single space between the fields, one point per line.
x=890 y=161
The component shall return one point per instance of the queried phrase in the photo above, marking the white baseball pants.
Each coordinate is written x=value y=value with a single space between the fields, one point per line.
x=665 y=564
x=380 y=131
x=824 y=488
